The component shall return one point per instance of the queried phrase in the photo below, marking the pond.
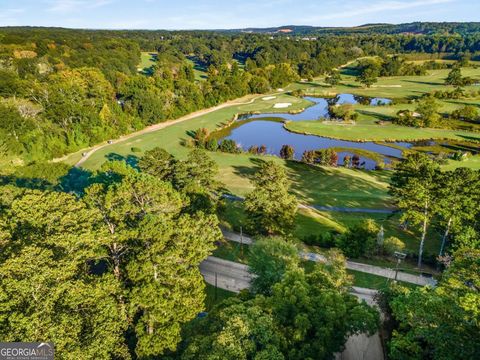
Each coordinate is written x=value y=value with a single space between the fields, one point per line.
x=320 y=108
x=268 y=130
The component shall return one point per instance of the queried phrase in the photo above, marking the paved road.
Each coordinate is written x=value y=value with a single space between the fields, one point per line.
x=235 y=277
x=354 y=210
x=327 y=208
x=227 y=275
x=232 y=276
x=351 y=265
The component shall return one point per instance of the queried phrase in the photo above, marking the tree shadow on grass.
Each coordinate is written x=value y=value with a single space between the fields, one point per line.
x=378 y=116
x=76 y=180
x=462 y=147
x=312 y=84
x=424 y=82
x=469 y=137
x=248 y=171
x=354 y=86
x=131 y=160
x=462 y=103
x=328 y=187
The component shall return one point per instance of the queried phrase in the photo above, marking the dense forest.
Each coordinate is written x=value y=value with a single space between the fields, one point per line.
x=63 y=90
x=425 y=28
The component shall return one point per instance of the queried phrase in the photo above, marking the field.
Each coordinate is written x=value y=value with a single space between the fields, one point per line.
x=337 y=187
x=373 y=132
x=147 y=61
x=405 y=87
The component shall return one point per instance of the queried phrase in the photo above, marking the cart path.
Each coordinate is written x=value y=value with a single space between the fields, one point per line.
x=351 y=265
x=327 y=208
x=162 y=125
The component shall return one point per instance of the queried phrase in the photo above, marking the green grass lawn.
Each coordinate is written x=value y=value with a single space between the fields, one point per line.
x=373 y=132
x=368 y=281
x=371 y=281
x=199 y=71
x=387 y=87
x=147 y=61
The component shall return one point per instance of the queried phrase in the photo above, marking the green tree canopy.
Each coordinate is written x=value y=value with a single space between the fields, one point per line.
x=442 y=322
x=270 y=208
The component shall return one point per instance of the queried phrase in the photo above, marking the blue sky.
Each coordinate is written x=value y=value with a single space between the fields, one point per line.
x=227 y=14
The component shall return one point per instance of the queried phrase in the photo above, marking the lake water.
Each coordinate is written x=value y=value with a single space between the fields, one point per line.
x=268 y=130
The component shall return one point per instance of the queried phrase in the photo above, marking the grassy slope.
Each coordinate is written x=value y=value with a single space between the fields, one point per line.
x=170 y=138
x=322 y=186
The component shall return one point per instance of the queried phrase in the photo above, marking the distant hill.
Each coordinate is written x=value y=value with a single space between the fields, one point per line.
x=409 y=28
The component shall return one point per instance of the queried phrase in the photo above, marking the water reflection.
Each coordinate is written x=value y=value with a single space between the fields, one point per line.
x=267 y=129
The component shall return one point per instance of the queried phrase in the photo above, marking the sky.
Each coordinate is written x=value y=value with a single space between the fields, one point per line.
x=229 y=14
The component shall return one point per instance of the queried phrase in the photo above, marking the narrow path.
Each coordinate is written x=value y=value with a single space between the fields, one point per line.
x=349 y=209
x=351 y=265
x=160 y=126
x=326 y=208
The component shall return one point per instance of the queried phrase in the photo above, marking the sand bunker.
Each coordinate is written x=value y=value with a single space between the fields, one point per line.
x=281 y=105
x=269 y=98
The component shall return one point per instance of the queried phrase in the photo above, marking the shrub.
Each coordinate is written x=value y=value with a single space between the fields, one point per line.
x=308 y=157
x=189 y=142
x=324 y=240
x=287 y=152
x=359 y=240
x=201 y=137
x=229 y=146
x=212 y=145
x=392 y=244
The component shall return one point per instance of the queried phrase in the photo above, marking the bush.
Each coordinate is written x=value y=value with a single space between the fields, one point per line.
x=287 y=152
x=201 y=137
x=392 y=244
x=324 y=240
x=359 y=240
x=229 y=146
x=136 y=149
x=212 y=145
